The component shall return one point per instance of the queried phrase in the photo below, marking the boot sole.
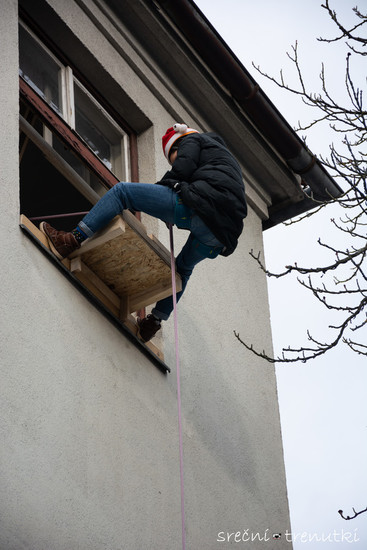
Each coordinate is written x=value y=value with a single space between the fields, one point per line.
x=141 y=338
x=53 y=249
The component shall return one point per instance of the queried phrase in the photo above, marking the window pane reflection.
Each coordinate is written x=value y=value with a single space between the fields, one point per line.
x=99 y=133
x=39 y=70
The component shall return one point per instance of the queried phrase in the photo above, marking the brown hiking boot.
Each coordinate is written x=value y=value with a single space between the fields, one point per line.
x=61 y=243
x=148 y=327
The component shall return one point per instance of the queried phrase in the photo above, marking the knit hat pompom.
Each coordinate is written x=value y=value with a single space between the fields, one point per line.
x=174 y=133
x=181 y=128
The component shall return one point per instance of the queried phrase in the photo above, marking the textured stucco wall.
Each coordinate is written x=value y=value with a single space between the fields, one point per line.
x=89 y=453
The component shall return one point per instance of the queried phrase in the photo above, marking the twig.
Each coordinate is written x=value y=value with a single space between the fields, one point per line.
x=355 y=513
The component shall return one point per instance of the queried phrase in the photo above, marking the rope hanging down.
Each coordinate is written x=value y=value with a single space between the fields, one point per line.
x=173 y=272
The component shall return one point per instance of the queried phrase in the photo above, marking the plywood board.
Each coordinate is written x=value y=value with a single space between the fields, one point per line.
x=129 y=262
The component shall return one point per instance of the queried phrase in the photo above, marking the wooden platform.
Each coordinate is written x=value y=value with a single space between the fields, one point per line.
x=123 y=266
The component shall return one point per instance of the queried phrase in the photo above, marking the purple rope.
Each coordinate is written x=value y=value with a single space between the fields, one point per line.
x=173 y=273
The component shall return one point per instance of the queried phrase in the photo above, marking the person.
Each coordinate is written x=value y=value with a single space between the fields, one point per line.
x=203 y=192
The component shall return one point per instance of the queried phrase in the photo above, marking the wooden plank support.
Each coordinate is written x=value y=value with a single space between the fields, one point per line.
x=153 y=294
x=36 y=232
x=122 y=266
x=115 y=228
x=129 y=262
x=95 y=285
x=39 y=235
x=125 y=308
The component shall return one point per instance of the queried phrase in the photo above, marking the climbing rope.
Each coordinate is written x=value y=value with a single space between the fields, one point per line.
x=173 y=273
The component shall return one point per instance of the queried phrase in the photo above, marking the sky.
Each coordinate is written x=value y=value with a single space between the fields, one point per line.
x=323 y=402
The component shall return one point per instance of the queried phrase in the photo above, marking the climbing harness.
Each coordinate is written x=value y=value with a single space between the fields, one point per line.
x=173 y=273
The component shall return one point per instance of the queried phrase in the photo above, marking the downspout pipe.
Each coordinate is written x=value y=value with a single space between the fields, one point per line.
x=243 y=88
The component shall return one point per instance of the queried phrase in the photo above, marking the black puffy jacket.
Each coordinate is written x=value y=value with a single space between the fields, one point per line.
x=211 y=184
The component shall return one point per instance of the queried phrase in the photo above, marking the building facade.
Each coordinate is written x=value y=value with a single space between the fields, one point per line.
x=89 y=454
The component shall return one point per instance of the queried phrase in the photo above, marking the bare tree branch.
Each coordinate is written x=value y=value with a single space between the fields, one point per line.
x=355 y=513
x=344 y=32
x=340 y=284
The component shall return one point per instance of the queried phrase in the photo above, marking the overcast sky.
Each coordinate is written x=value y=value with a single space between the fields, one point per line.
x=322 y=403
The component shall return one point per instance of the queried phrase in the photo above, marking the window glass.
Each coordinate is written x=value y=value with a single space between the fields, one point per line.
x=79 y=167
x=40 y=70
x=57 y=85
x=99 y=132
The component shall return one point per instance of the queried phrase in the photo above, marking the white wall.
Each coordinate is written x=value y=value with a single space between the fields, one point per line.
x=89 y=453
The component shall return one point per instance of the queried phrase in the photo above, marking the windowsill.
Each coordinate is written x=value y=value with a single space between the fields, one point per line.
x=147 y=280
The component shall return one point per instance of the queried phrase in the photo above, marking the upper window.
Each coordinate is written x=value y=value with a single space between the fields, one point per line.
x=60 y=89
x=40 y=70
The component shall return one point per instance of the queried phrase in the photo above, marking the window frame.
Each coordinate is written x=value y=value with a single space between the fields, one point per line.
x=51 y=119
x=71 y=77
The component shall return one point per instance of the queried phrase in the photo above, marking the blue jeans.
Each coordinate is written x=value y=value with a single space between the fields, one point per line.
x=163 y=203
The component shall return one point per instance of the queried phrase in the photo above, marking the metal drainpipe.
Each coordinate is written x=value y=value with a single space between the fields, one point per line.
x=249 y=96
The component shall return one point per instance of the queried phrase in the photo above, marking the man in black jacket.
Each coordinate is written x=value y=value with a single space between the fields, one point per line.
x=203 y=193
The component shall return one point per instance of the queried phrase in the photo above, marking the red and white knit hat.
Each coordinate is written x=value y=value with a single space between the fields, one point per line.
x=173 y=134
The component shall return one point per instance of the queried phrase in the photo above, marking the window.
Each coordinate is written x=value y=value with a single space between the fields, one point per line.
x=103 y=136
x=41 y=70
x=52 y=194
x=59 y=88
x=71 y=152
